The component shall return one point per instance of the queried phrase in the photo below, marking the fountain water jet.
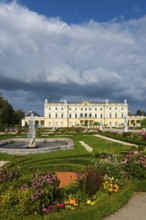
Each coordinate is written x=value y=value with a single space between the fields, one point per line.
x=21 y=146
x=31 y=133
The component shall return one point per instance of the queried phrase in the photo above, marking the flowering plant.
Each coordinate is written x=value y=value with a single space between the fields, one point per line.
x=111 y=184
x=90 y=181
x=43 y=190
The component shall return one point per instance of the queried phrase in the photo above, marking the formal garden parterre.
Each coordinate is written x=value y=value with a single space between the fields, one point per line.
x=106 y=179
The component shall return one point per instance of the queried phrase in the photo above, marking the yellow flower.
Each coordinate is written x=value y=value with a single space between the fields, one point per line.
x=66 y=202
x=72 y=201
x=110 y=190
x=88 y=201
x=92 y=203
x=116 y=190
x=116 y=186
x=76 y=204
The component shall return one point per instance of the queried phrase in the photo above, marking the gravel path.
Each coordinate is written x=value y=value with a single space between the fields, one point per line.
x=135 y=209
x=86 y=146
x=3 y=163
x=114 y=140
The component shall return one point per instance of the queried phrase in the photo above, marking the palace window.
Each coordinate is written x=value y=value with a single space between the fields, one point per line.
x=85 y=115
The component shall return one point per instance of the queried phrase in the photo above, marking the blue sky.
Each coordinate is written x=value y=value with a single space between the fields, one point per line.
x=76 y=11
x=73 y=49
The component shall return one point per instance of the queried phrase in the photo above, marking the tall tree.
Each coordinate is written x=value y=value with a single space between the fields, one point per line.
x=140 y=113
x=6 y=113
x=18 y=115
x=143 y=123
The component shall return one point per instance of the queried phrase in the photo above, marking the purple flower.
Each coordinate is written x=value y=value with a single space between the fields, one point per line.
x=34 y=176
x=35 y=185
x=24 y=187
x=39 y=192
x=49 y=181
x=80 y=175
x=34 y=196
x=48 y=210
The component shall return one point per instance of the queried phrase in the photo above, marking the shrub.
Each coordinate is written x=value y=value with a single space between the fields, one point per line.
x=6 y=175
x=90 y=180
x=135 y=164
x=34 y=198
x=126 y=134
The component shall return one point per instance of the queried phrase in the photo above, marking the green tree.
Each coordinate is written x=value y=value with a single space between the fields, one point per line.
x=9 y=117
x=143 y=123
x=140 y=113
x=6 y=113
x=18 y=115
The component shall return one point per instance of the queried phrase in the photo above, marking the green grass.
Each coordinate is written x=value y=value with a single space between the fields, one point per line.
x=65 y=160
x=72 y=160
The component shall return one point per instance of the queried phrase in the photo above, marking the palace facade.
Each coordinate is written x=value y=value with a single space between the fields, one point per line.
x=105 y=113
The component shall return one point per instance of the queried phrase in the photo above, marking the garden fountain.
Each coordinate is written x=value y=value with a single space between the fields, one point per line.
x=31 y=133
x=33 y=145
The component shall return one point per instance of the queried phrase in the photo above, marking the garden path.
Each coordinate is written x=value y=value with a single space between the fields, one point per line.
x=2 y=163
x=114 y=140
x=86 y=146
x=135 y=209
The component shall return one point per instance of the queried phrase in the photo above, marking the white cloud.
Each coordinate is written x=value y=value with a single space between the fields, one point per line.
x=36 y=49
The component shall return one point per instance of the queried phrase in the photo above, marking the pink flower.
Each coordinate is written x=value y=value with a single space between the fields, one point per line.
x=61 y=205
x=24 y=187
x=39 y=191
x=34 y=196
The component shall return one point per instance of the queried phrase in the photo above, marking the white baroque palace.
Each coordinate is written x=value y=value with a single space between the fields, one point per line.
x=105 y=113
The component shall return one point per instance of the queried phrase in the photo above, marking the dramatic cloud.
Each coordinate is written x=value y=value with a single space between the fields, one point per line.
x=47 y=58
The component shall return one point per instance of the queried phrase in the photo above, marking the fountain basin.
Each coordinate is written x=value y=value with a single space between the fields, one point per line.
x=18 y=145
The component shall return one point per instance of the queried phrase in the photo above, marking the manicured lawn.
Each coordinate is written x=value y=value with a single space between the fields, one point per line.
x=65 y=160
x=71 y=160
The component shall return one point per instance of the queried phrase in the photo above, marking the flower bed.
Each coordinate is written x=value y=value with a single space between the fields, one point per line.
x=41 y=194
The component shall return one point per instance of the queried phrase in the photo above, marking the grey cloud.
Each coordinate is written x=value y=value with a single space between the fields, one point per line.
x=47 y=58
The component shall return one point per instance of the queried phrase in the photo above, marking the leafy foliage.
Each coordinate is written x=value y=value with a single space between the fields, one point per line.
x=9 y=117
x=90 y=180
x=6 y=175
x=135 y=164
